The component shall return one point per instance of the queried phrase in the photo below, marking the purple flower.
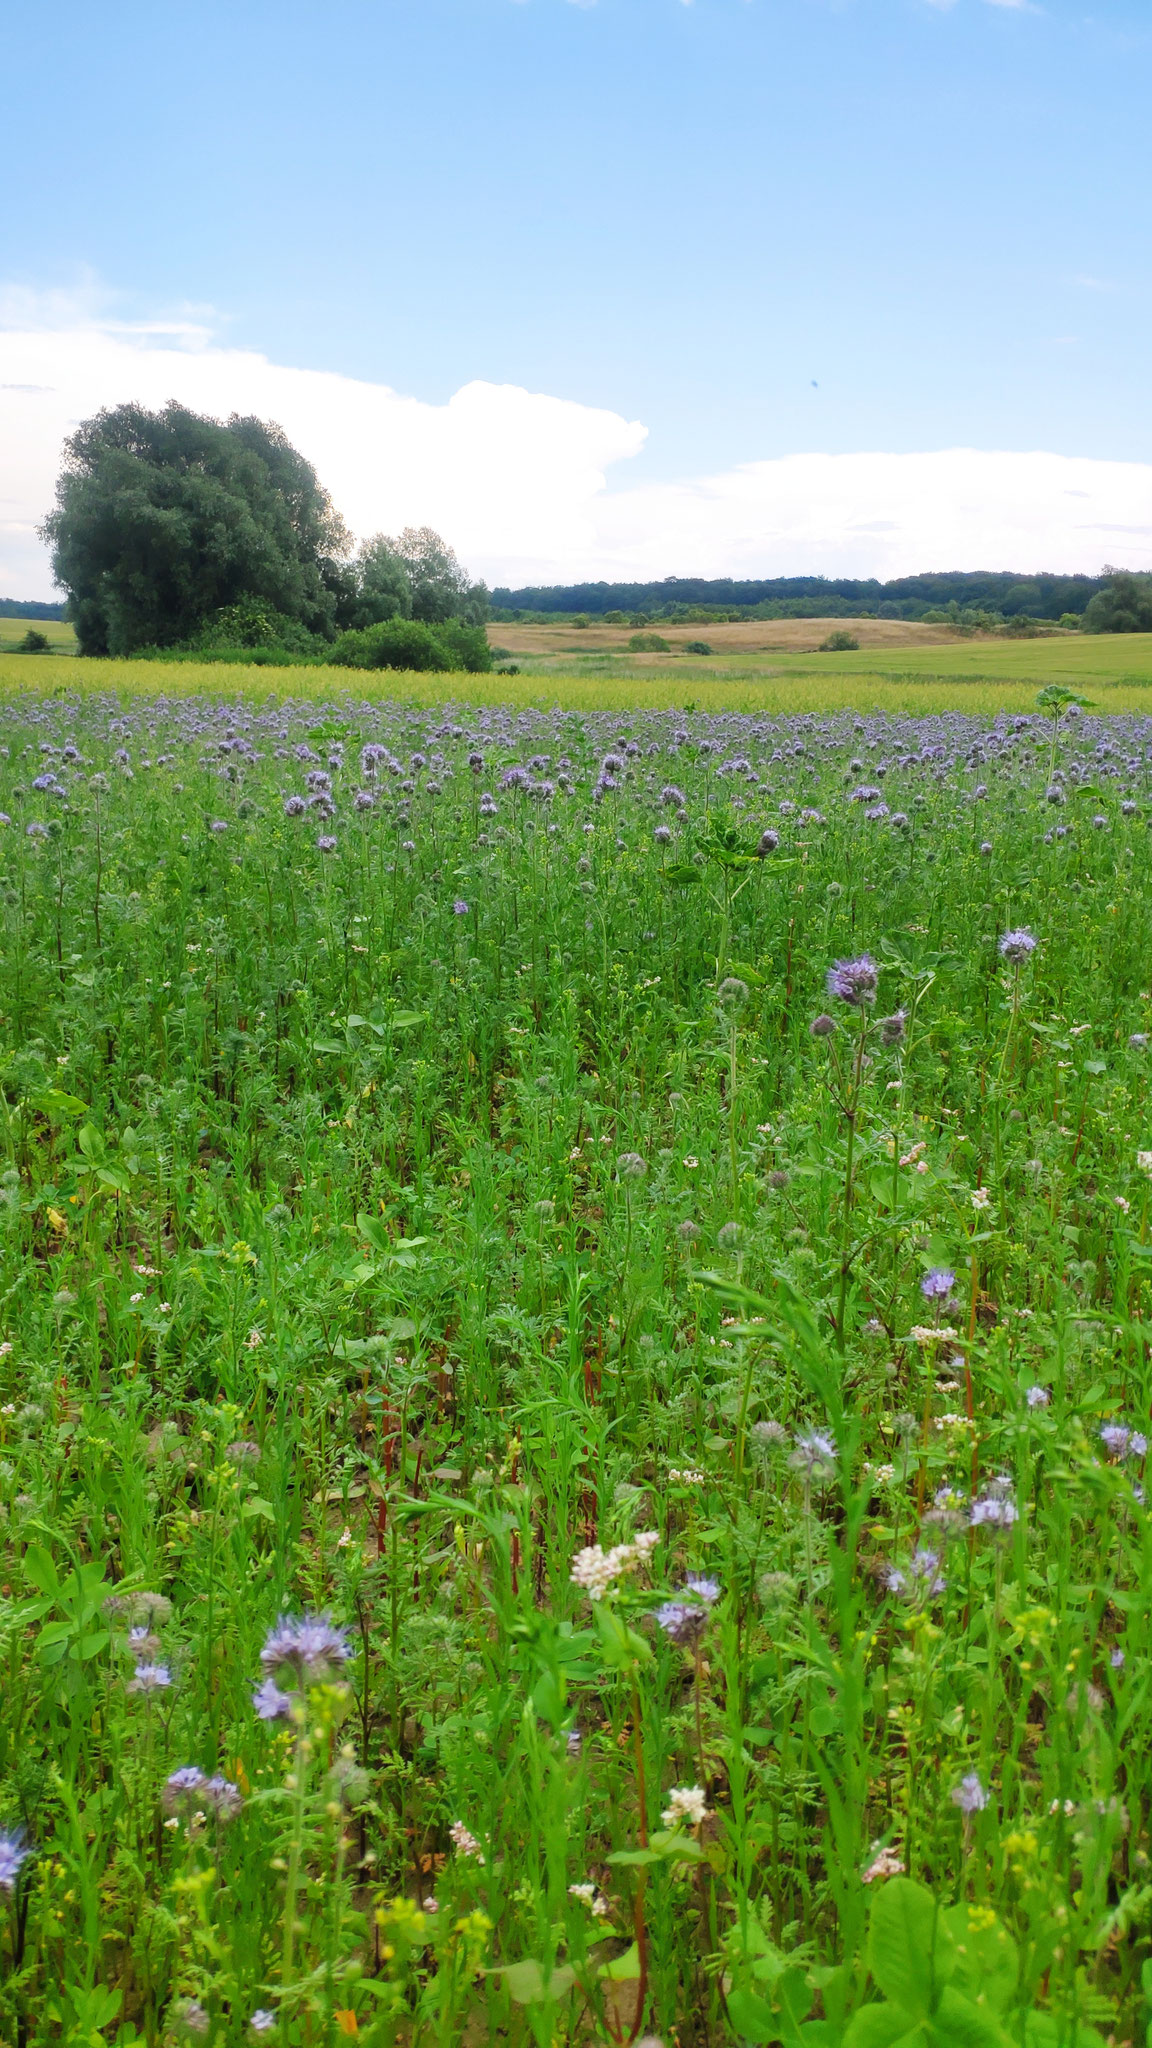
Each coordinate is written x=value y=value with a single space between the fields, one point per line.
x=182 y=1786
x=767 y=843
x=684 y=1621
x=13 y=1856
x=459 y=908
x=937 y=1283
x=325 y=843
x=222 y=1796
x=271 y=1704
x=151 y=1678
x=1015 y=946
x=854 y=981
x=1038 y=1397
x=969 y=1795
x=294 y=807
x=307 y=1645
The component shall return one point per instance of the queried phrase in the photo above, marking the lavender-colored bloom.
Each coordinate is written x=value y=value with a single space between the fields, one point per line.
x=222 y=1797
x=937 y=1283
x=672 y=797
x=992 y=1511
x=182 y=1786
x=662 y=835
x=704 y=1588
x=1038 y=1397
x=854 y=981
x=892 y=1028
x=307 y=1645
x=1116 y=1439
x=969 y=1795
x=1116 y=1659
x=294 y=807
x=150 y=1678
x=767 y=843
x=459 y=908
x=191 y=2017
x=822 y=1026
x=35 y=830
x=263 y=2021
x=1015 y=946
x=218 y=825
x=325 y=843
x=363 y=800
x=13 y=1856
x=684 y=1621
x=271 y=1704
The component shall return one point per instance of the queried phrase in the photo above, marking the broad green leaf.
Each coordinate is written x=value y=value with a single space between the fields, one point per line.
x=752 y=2017
x=881 y=2026
x=957 y=2023
x=528 y=1985
x=625 y=1968
x=40 y=1571
x=987 y=1960
x=407 y=1020
x=910 y=1949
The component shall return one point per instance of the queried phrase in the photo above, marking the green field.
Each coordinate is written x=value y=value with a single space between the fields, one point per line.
x=61 y=635
x=574 y=1366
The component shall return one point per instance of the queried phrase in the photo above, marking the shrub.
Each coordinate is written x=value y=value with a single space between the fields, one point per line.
x=1071 y=621
x=34 y=642
x=394 y=643
x=648 y=643
x=251 y=623
x=466 y=646
x=1021 y=627
x=839 y=643
x=697 y=647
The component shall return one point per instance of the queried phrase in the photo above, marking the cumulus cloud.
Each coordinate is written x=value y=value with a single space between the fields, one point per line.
x=520 y=481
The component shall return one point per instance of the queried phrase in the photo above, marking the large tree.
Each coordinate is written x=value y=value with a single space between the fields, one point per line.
x=441 y=588
x=1124 y=606
x=163 y=518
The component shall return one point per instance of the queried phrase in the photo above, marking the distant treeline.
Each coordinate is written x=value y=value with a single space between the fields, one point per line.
x=32 y=608
x=904 y=597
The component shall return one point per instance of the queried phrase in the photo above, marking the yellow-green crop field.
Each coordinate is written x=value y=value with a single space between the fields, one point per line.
x=979 y=676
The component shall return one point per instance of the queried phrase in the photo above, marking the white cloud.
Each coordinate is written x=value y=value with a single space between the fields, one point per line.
x=518 y=481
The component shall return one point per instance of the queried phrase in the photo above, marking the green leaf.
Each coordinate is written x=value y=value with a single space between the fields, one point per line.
x=752 y=2017
x=960 y=2024
x=625 y=1968
x=987 y=1960
x=53 y=1102
x=40 y=1571
x=672 y=1845
x=880 y=2026
x=257 y=1508
x=910 y=1949
x=629 y=1859
x=683 y=873
x=327 y=1045
x=528 y=1985
x=407 y=1020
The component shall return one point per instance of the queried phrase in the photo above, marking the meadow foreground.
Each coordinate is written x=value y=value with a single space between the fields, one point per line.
x=574 y=1379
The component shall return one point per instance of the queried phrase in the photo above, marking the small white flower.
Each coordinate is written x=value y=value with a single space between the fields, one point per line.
x=1121 y=1204
x=690 y=1160
x=254 y=1339
x=981 y=1199
x=465 y=1842
x=135 y=1299
x=1144 y=1162
x=686 y=1803
x=343 y=1541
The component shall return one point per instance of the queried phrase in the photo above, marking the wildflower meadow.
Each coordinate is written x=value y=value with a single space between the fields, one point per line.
x=574 y=1382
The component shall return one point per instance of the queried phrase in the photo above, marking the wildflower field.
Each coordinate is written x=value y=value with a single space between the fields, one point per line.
x=574 y=1375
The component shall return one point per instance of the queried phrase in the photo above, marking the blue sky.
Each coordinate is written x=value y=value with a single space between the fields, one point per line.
x=760 y=227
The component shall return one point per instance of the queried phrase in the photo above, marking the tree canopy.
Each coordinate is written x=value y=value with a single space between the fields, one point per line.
x=1123 y=606
x=170 y=528
x=162 y=519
